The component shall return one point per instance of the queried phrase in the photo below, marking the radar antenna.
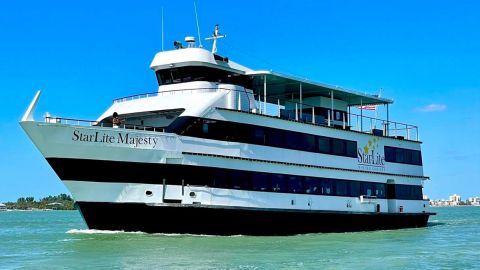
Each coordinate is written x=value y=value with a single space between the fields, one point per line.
x=215 y=35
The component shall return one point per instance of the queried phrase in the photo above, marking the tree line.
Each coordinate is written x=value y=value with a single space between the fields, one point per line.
x=59 y=202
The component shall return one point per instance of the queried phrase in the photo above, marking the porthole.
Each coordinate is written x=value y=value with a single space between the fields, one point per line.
x=148 y=193
x=192 y=194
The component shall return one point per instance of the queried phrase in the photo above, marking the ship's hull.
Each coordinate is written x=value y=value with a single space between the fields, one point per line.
x=210 y=220
x=149 y=181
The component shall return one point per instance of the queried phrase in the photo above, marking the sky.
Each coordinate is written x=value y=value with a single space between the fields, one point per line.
x=82 y=54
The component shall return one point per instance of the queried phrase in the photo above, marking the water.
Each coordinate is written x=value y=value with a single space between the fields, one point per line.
x=59 y=239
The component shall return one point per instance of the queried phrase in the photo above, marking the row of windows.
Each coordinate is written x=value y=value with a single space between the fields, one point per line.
x=283 y=183
x=191 y=74
x=237 y=132
x=401 y=155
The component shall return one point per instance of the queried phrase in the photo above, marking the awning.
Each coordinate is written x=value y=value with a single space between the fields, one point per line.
x=283 y=87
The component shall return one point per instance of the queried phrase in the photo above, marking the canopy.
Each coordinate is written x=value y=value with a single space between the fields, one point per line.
x=283 y=87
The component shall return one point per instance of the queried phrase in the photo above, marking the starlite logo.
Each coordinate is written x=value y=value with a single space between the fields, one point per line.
x=369 y=158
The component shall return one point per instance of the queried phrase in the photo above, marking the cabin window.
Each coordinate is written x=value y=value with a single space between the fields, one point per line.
x=293 y=140
x=245 y=133
x=308 y=142
x=261 y=182
x=241 y=180
x=380 y=190
x=367 y=189
x=338 y=147
x=221 y=178
x=295 y=184
x=279 y=183
x=324 y=145
x=354 y=189
x=258 y=136
x=189 y=74
x=274 y=138
x=341 y=188
x=401 y=155
x=327 y=187
x=351 y=148
x=312 y=185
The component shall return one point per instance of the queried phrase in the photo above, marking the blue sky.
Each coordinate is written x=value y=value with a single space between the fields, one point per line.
x=83 y=54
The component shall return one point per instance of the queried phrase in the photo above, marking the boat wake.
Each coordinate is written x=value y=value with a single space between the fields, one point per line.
x=93 y=231
x=90 y=231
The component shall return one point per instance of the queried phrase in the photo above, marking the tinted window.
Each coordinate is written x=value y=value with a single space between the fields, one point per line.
x=237 y=132
x=354 y=189
x=341 y=188
x=240 y=180
x=258 y=136
x=401 y=155
x=327 y=187
x=188 y=74
x=367 y=189
x=274 y=138
x=308 y=142
x=380 y=190
x=324 y=145
x=312 y=185
x=295 y=184
x=351 y=149
x=293 y=140
x=221 y=178
x=279 y=183
x=261 y=182
x=416 y=158
x=338 y=147
x=389 y=154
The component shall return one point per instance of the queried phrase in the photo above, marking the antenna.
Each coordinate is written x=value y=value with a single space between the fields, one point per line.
x=215 y=35
x=198 y=27
x=162 y=30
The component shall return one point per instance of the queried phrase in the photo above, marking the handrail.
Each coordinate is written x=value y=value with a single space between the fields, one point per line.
x=350 y=121
x=91 y=123
x=152 y=94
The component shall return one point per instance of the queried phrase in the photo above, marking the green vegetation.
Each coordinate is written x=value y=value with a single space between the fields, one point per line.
x=60 y=202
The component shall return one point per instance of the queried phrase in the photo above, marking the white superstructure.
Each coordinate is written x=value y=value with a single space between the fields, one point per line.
x=223 y=149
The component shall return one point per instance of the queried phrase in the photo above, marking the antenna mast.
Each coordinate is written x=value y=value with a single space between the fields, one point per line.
x=162 y=30
x=215 y=35
x=198 y=26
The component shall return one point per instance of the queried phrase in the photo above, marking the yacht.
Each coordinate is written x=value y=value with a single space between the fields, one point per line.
x=222 y=149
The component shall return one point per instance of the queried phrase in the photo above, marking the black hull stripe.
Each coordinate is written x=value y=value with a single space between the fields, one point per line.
x=231 y=221
x=175 y=174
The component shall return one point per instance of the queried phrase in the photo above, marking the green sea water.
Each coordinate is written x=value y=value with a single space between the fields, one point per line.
x=60 y=240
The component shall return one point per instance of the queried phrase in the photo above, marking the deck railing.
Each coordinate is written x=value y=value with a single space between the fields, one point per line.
x=302 y=112
x=170 y=92
x=90 y=123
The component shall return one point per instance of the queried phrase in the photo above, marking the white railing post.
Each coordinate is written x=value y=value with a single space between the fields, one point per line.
x=328 y=120
x=279 y=110
x=296 y=111
x=239 y=105
x=313 y=115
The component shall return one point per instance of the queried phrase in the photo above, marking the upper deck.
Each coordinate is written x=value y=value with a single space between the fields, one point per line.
x=275 y=94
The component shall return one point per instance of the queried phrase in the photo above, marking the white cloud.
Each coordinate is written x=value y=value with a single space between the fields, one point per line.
x=433 y=108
